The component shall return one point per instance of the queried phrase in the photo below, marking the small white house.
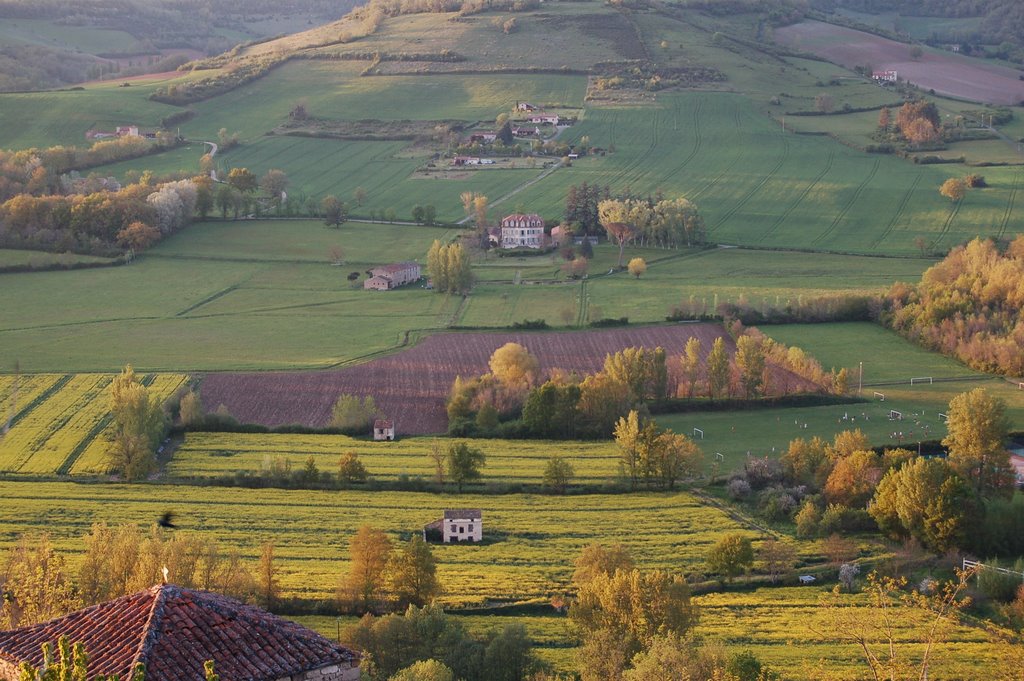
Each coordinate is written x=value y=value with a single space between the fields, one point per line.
x=462 y=524
x=384 y=430
x=884 y=76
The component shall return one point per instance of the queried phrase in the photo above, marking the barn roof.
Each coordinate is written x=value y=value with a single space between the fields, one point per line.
x=383 y=424
x=174 y=631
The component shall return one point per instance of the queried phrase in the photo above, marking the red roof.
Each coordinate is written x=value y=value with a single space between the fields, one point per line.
x=383 y=424
x=173 y=631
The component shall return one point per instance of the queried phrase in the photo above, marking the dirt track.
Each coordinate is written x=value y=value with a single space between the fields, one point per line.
x=946 y=73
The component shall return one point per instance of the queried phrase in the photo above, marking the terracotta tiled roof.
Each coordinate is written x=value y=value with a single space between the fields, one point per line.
x=395 y=267
x=383 y=424
x=173 y=631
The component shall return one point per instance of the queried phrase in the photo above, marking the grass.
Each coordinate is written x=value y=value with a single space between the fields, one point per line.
x=12 y=257
x=62 y=424
x=784 y=627
x=205 y=455
x=89 y=39
x=529 y=545
x=768 y=432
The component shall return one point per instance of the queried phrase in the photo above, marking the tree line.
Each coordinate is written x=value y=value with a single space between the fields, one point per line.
x=103 y=222
x=516 y=400
x=967 y=306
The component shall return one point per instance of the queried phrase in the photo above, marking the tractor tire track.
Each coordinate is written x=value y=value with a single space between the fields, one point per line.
x=698 y=142
x=803 y=195
x=1009 y=206
x=756 y=188
x=849 y=204
x=735 y=159
x=898 y=215
x=949 y=222
x=640 y=158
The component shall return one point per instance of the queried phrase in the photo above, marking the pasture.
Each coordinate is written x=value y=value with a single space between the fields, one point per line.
x=274 y=279
x=529 y=542
x=889 y=365
x=15 y=258
x=216 y=455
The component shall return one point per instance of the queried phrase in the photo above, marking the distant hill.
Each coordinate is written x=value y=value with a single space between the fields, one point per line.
x=52 y=43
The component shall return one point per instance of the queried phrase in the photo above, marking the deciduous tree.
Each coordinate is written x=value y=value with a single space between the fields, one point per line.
x=718 y=369
x=558 y=473
x=412 y=573
x=731 y=555
x=464 y=463
x=139 y=423
x=978 y=428
x=953 y=189
x=369 y=552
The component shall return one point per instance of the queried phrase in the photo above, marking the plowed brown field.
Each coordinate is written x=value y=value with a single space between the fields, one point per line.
x=411 y=386
x=946 y=73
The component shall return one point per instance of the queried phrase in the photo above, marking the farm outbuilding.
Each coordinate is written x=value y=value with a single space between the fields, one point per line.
x=174 y=631
x=457 y=525
x=392 y=276
x=384 y=430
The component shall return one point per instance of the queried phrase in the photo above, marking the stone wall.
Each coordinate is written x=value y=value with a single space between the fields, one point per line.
x=334 y=672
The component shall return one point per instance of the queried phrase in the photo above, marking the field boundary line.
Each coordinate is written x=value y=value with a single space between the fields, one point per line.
x=40 y=398
x=208 y=299
x=740 y=518
x=525 y=185
x=803 y=195
x=898 y=215
x=849 y=204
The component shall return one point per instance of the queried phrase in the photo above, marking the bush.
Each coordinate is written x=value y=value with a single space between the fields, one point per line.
x=997 y=585
x=738 y=488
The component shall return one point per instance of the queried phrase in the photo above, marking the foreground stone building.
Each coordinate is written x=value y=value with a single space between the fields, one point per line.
x=173 y=631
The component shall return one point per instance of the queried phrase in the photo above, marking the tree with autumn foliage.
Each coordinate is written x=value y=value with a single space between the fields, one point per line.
x=977 y=431
x=138 y=236
x=953 y=189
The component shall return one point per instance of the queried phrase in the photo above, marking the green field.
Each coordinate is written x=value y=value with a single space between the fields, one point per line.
x=11 y=257
x=60 y=424
x=784 y=627
x=206 y=455
x=273 y=279
x=889 y=365
x=88 y=39
x=530 y=540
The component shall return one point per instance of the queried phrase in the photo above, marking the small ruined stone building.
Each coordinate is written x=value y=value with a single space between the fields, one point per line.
x=383 y=429
x=173 y=631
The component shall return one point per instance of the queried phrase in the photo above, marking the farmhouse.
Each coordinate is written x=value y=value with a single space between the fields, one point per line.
x=884 y=76
x=484 y=137
x=457 y=525
x=526 y=131
x=525 y=106
x=544 y=119
x=466 y=161
x=384 y=430
x=392 y=276
x=519 y=231
x=173 y=631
